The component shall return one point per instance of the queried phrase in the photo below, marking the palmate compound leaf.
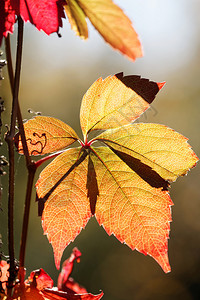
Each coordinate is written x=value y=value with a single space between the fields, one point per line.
x=125 y=184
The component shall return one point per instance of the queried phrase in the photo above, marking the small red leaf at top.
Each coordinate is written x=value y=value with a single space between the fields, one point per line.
x=46 y=15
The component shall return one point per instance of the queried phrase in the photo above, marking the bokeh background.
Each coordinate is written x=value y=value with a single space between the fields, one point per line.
x=56 y=73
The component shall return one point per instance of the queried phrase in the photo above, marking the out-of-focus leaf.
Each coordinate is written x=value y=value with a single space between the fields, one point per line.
x=7 y=18
x=46 y=15
x=45 y=135
x=76 y=18
x=114 y=26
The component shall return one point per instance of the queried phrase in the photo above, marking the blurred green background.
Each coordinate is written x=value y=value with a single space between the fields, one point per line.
x=56 y=73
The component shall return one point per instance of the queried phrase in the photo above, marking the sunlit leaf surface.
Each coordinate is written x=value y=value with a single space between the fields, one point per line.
x=45 y=135
x=114 y=26
x=124 y=184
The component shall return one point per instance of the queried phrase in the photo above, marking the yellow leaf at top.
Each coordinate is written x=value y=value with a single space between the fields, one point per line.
x=114 y=26
x=46 y=135
x=157 y=146
x=115 y=101
x=131 y=209
x=76 y=18
x=66 y=208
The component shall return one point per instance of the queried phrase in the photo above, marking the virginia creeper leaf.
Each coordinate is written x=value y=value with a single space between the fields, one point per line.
x=114 y=26
x=67 y=209
x=45 y=135
x=76 y=18
x=125 y=183
x=116 y=101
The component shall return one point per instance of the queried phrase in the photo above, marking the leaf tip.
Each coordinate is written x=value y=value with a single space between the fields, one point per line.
x=161 y=84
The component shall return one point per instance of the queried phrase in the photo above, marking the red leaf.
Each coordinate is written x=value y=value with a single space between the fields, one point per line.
x=4 y=273
x=73 y=287
x=46 y=15
x=59 y=295
x=67 y=268
x=40 y=279
x=7 y=18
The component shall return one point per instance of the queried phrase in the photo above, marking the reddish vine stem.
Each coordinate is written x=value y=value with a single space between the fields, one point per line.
x=31 y=175
x=15 y=81
x=19 y=115
x=31 y=166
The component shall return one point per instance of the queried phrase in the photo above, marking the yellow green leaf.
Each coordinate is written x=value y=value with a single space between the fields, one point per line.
x=66 y=208
x=76 y=18
x=128 y=207
x=114 y=26
x=115 y=101
x=45 y=135
x=157 y=146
